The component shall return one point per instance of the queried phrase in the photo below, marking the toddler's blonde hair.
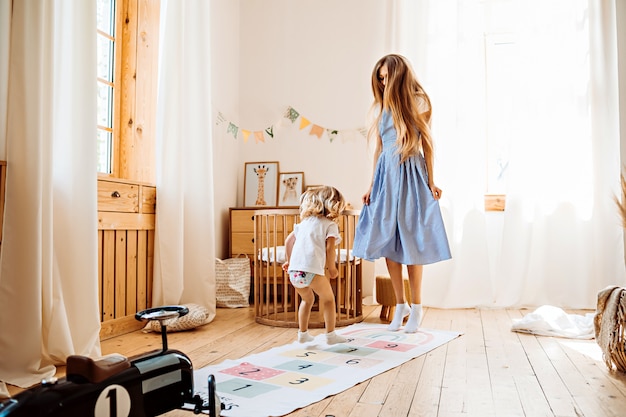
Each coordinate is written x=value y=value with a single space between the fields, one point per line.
x=322 y=201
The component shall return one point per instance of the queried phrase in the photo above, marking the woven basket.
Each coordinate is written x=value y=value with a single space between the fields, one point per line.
x=610 y=327
x=232 y=281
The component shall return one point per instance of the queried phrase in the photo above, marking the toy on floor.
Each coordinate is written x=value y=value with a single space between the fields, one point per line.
x=146 y=385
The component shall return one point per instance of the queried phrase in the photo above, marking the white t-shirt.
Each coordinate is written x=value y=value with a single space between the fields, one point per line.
x=309 y=250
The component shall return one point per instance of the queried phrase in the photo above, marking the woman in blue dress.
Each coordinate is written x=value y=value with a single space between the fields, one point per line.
x=401 y=220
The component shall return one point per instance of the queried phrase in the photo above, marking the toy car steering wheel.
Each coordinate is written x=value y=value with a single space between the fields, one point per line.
x=162 y=313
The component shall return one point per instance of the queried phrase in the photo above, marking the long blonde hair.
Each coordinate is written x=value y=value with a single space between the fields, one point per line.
x=322 y=201
x=409 y=104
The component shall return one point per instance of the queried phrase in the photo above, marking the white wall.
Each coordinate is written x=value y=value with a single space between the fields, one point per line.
x=317 y=57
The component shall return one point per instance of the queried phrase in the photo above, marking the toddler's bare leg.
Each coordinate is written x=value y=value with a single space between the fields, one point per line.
x=322 y=288
x=304 y=313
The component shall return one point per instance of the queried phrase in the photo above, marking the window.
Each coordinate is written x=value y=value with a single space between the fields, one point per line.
x=106 y=20
x=128 y=44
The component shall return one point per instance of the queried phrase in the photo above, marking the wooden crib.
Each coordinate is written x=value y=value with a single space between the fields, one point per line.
x=275 y=300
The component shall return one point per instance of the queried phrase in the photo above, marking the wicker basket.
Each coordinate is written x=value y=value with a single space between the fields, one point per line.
x=610 y=327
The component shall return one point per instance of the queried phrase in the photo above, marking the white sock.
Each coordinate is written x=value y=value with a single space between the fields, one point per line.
x=304 y=337
x=414 y=319
x=333 y=338
x=402 y=310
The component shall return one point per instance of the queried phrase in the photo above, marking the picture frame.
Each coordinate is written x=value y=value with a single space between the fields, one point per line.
x=290 y=188
x=260 y=184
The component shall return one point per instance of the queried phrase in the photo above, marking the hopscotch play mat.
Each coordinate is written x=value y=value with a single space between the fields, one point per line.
x=285 y=378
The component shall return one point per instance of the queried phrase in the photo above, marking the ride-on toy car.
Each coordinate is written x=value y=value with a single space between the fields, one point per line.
x=115 y=386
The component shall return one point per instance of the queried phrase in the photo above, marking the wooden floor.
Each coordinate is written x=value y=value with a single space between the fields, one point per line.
x=488 y=371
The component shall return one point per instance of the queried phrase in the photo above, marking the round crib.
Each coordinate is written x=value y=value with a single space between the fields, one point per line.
x=275 y=300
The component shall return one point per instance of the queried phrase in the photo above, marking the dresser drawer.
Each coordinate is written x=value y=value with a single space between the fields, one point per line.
x=241 y=221
x=119 y=197
x=241 y=243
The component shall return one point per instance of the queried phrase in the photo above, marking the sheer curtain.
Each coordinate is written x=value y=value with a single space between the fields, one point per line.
x=185 y=237
x=559 y=241
x=48 y=266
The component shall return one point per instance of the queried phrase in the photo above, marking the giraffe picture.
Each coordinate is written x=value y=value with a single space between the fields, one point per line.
x=260 y=185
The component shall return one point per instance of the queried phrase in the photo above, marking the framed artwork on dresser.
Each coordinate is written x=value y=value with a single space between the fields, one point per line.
x=260 y=184
x=290 y=188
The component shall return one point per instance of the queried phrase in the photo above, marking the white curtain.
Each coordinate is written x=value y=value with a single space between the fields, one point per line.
x=185 y=236
x=559 y=240
x=48 y=265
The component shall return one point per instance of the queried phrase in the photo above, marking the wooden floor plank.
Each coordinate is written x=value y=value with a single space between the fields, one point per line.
x=427 y=395
x=454 y=392
x=554 y=390
x=505 y=396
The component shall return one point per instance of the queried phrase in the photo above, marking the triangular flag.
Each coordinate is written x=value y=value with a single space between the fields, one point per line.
x=363 y=131
x=220 y=119
x=304 y=122
x=332 y=134
x=258 y=136
x=317 y=131
x=245 y=134
x=291 y=114
x=232 y=129
x=270 y=131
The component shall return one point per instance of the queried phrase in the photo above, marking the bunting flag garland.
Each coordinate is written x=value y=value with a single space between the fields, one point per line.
x=317 y=131
x=292 y=115
x=258 y=136
x=246 y=134
x=304 y=122
x=232 y=129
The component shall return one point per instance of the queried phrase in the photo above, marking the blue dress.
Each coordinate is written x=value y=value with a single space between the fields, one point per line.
x=402 y=221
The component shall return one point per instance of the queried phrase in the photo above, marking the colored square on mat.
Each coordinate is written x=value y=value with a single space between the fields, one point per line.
x=398 y=347
x=313 y=355
x=353 y=361
x=300 y=381
x=310 y=368
x=244 y=388
x=351 y=350
x=358 y=341
x=251 y=371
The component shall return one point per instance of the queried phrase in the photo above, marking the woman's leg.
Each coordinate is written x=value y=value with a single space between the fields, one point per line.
x=415 y=282
x=395 y=273
x=401 y=310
